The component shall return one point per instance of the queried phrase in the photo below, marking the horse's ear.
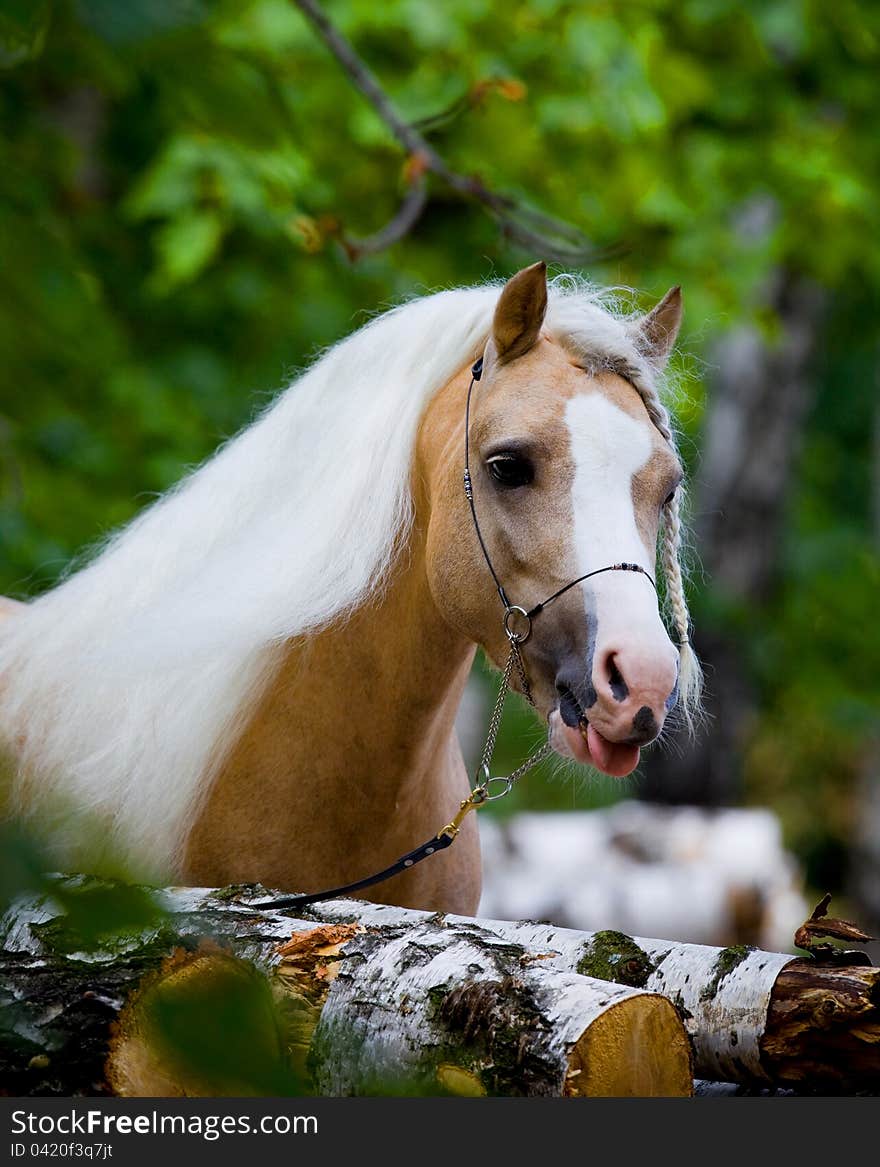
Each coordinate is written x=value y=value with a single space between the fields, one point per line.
x=658 y=330
x=520 y=312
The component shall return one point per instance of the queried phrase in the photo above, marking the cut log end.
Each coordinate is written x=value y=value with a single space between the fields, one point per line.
x=205 y=1024
x=636 y=1049
x=137 y=1065
x=823 y=1027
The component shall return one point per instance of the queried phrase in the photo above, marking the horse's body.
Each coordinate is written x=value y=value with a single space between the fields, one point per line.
x=379 y=775
x=327 y=747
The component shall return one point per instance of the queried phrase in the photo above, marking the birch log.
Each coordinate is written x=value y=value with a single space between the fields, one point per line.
x=760 y=1019
x=437 y=1004
x=755 y=1018
x=419 y=1004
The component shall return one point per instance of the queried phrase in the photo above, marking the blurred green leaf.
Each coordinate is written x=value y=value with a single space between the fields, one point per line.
x=221 y=1027
x=138 y=20
x=22 y=865
x=99 y=914
x=185 y=246
x=23 y=28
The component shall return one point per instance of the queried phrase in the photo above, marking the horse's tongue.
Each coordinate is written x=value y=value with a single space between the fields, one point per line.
x=612 y=758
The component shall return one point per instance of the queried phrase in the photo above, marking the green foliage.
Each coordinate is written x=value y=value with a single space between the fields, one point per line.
x=222 y=1029
x=23 y=28
x=173 y=177
x=96 y=913
x=99 y=914
x=207 y=1016
x=22 y=865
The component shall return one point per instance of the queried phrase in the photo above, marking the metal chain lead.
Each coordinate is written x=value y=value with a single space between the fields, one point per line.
x=533 y=759
x=495 y=719
x=521 y=669
x=482 y=789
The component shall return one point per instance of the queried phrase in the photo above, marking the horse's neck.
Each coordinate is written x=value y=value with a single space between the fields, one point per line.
x=350 y=756
x=390 y=677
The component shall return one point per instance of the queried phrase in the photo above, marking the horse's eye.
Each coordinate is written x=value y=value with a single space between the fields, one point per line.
x=510 y=470
x=669 y=497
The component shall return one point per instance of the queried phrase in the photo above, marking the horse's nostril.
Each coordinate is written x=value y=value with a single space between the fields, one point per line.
x=619 y=687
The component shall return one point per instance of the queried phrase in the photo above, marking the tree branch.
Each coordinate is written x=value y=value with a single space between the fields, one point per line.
x=395 y=229
x=551 y=238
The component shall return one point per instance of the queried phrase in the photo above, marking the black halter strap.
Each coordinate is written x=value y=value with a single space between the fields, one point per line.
x=476 y=374
x=529 y=614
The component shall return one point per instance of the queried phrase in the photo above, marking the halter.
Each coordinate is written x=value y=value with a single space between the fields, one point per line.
x=476 y=375
x=517 y=623
x=518 y=628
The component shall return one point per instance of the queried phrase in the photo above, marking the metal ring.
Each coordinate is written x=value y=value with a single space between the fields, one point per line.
x=487 y=786
x=521 y=614
x=486 y=782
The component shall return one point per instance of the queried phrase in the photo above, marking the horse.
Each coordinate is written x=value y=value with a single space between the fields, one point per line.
x=258 y=678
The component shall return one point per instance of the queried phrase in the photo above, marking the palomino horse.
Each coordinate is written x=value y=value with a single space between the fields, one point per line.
x=258 y=678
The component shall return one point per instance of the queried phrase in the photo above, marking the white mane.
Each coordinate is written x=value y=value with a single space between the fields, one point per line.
x=121 y=689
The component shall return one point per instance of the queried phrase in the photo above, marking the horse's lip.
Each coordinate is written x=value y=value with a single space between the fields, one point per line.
x=589 y=747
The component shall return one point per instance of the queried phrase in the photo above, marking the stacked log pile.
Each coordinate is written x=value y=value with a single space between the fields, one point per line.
x=712 y=877
x=356 y=998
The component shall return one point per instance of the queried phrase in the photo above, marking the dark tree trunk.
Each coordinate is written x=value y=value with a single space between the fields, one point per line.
x=759 y=397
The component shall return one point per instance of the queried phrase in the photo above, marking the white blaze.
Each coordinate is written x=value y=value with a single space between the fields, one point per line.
x=608 y=447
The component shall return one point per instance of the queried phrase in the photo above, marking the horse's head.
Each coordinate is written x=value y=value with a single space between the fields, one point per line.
x=573 y=469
